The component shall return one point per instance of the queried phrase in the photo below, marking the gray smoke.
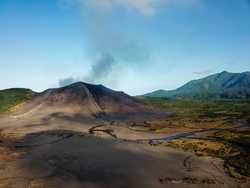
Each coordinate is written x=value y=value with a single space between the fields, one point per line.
x=98 y=73
x=67 y=81
x=113 y=48
x=101 y=68
x=110 y=49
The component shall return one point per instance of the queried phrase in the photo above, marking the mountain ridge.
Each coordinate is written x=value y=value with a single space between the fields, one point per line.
x=223 y=85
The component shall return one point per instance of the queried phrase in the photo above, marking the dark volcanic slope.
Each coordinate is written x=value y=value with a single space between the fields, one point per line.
x=83 y=98
x=112 y=101
x=224 y=85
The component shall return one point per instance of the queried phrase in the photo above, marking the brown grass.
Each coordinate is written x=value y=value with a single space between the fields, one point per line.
x=202 y=147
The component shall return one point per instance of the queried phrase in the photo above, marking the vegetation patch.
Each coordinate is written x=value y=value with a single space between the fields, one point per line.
x=241 y=163
x=225 y=141
x=197 y=109
x=241 y=140
x=231 y=145
x=12 y=97
x=202 y=147
x=193 y=114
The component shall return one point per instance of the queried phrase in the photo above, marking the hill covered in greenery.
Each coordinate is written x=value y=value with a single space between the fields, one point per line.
x=12 y=97
x=224 y=85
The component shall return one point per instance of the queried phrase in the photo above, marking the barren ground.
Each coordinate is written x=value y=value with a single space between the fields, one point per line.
x=65 y=150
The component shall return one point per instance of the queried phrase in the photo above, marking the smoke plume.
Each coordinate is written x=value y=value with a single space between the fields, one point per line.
x=102 y=67
x=66 y=81
x=110 y=46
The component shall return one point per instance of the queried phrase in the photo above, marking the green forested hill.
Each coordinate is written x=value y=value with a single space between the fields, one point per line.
x=12 y=97
x=224 y=85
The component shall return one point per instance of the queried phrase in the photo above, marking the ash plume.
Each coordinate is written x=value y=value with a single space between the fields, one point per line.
x=101 y=68
x=112 y=48
x=66 y=81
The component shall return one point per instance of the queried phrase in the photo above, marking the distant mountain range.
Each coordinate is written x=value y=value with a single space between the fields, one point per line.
x=224 y=85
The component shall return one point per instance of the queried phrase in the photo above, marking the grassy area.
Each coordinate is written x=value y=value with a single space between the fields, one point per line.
x=238 y=139
x=231 y=144
x=203 y=147
x=11 y=97
x=200 y=109
x=240 y=163
x=194 y=114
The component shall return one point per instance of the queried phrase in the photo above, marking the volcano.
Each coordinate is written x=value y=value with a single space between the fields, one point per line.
x=86 y=99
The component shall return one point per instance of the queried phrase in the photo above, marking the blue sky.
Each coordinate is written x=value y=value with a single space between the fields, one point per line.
x=135 y=46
